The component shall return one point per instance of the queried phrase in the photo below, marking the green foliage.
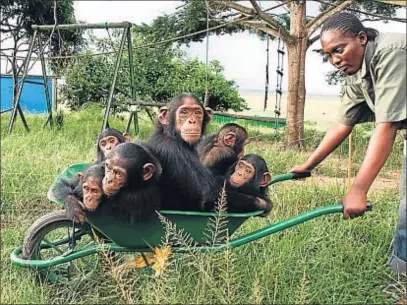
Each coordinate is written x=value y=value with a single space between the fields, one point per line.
x=19 y=15
x=159 y=72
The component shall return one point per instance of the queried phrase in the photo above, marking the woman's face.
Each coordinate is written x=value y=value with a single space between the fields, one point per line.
x=344 y=52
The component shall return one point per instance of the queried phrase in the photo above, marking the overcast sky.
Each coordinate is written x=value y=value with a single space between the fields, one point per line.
x=242 y=55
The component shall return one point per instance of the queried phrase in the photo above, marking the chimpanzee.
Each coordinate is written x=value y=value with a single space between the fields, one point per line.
x=108 y=139
x=250 y=175
x=82 y=193
x=185 y=183
x=220 y=150
x=130 y=183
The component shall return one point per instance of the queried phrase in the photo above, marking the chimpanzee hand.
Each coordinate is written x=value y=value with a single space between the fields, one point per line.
x=74 y=209
x=263 y=205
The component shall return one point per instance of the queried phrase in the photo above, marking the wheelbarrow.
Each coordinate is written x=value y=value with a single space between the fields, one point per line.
x=53 y=242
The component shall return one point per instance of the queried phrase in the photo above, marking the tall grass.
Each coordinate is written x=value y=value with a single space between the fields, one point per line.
x=326 y=260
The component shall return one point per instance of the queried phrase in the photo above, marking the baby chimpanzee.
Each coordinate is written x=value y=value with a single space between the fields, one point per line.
x=82 y=193
x=131 y=180
x=219 y=151
x=108 y=139
x=250 y=176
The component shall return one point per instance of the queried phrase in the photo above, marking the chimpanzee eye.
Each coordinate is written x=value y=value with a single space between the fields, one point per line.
x=184 y=111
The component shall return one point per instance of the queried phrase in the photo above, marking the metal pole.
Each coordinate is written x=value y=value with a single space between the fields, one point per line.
x=16 y=105
x=206 y=99
x=116 y=69
x=266 y=91
x=74 y=26
x=132 y=86
x=44 y=76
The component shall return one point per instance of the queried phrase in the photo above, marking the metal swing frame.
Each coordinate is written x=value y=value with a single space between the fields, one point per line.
x=44 y=28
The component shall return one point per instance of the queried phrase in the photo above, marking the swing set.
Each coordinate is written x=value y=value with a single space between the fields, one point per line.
x=220 y=117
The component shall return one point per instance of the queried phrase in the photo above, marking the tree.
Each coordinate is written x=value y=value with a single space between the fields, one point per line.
x=17 y=16
x=297 y=31
x=160 y=73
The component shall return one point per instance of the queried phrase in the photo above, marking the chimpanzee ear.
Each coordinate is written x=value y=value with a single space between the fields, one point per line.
x=229 y=139
x=127 y=136
x=148 y=171
x=163 y=115
x=265 y=180
x=80 y=176
x=208 y=111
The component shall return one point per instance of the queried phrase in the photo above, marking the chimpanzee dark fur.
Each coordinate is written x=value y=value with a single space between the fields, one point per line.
x=185 y=183
x=215 y=155
x=253 y=187
x=138 y=199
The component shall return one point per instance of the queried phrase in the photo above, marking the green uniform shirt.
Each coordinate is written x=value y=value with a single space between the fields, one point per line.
x=377 y=92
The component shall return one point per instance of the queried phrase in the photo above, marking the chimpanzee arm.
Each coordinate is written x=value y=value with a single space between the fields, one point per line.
x=205 y=145
x=64 y=188
x=242 y=203
x=70 y=192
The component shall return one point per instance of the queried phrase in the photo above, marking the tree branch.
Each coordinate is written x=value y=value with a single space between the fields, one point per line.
x=240 y=8
x=320 y=19
x=264 y=16
x=270 y=20
x=262 y=27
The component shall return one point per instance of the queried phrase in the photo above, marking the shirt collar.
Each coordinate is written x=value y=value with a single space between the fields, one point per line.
x=369 y=51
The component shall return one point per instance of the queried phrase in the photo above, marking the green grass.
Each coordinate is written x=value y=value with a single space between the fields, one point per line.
x=327 y=260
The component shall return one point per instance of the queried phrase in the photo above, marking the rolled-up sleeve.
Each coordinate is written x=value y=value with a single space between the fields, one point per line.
x=390 y=86
x=353 y=108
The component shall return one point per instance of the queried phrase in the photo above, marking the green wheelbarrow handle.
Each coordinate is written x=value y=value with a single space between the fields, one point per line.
x=276 y=227
x=288 y=176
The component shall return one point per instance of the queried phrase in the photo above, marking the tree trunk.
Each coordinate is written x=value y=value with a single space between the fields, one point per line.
x=296 y=51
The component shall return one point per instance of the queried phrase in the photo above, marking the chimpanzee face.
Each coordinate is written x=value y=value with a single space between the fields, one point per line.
x=244 y=173
x=107 y=143
x=115 y=175
x=188 y=120
x=92 y=193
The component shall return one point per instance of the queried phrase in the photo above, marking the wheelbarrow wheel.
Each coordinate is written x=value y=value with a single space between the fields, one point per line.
x=52 y=235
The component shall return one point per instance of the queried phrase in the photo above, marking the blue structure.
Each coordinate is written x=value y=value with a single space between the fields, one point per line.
x=32 y=99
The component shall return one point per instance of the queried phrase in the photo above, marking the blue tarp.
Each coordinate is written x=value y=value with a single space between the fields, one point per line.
x=33 y=96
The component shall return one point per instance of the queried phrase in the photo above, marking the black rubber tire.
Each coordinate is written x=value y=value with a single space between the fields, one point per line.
x=40 y=228
x=37 y=230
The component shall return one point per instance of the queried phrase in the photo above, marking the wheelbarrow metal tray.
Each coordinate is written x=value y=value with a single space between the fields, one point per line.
x=139 y=235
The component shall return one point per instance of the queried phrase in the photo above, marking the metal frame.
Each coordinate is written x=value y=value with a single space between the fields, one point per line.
x=43 y=28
